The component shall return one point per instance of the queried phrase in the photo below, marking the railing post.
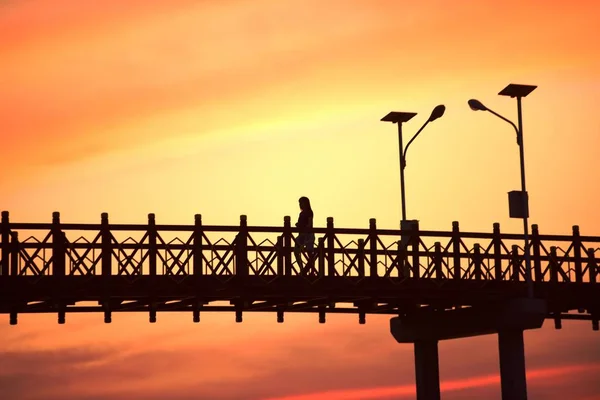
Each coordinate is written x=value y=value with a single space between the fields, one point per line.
x=477 y=261
x=497 y=252
x=106 y=259
x=330 y=247
x=535 y=246
x=373 y=247
x=14 y=254
x=361 y=258
x=5 y=232
x=553 y=264
x=438 y=260
x=287 y=245
x=414 y=234
x=577 y=254
x=152 y=250
x=58 y=247
x=516 y=263
x=456 y=250
x=106 y=245
x=198 y=232
x=592 y=264
x=321 y=257
x=241 y=248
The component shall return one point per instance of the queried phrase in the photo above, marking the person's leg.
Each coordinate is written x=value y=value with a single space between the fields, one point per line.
x=310 y=243
x=310 y=249
x=298 y=249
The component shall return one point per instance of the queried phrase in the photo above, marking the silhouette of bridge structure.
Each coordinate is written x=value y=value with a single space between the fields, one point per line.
x=438 y=284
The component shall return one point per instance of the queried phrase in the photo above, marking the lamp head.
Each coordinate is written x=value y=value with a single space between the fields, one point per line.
x=437 y=112
x=476 y=105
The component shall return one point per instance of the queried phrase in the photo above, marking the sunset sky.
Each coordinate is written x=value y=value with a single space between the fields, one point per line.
x=240 y=107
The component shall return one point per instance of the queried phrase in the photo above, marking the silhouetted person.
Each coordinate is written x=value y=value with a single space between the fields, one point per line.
x=306 y=237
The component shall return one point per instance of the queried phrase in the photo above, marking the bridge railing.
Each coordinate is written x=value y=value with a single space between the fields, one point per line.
x=179 y=251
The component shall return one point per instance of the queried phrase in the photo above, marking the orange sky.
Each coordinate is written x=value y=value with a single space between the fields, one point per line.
x=240 y=107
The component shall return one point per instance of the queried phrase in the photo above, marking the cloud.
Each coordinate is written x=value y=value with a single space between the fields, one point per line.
x=255 y=361
x=31 y=374
x=87 y=70
x=128 y=64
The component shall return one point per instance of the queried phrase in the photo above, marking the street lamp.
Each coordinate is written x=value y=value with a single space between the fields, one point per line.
x=518 y=201
x=399 y=118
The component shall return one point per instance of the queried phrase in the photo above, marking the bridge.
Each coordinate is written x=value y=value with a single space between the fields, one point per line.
x=438 y=285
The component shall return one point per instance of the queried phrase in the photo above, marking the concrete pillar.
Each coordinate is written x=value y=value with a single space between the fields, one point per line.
x=508 y=319
x=427 y=370
x=512 y=364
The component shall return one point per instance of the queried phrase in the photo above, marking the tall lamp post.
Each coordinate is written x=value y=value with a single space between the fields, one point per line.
x=399 y=118
x=518 y=201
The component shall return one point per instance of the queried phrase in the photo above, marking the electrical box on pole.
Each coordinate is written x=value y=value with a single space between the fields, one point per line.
x=518 y=204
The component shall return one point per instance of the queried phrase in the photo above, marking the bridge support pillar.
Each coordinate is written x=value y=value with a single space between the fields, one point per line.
x=427 y=370
x=425 y=328
x=512 y=364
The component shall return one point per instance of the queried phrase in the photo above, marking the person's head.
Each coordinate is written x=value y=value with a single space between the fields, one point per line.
x=304 y=203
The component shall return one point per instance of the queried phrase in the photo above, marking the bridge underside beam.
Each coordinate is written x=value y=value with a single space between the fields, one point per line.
x=126 y=305
x=471 y=321
x=339 y=295
x=256 y=288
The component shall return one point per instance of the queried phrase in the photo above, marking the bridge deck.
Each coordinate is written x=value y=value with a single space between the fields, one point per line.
x=104 y=267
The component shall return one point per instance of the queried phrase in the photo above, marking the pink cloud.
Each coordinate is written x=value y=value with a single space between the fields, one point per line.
x=378 y=393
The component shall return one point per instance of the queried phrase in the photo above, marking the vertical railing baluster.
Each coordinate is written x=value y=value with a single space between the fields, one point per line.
x=535 y=246
x=373 y=247
x=456 y=250
x=58 y=247
x=241 y=249
x=106 y=245
x=198 y=250
x=14 y=254
x=287 y=245
x=553 y=265
x=497 y=252
x=438 y=260
x=330 y=247
x=516 y=263
x=477 y=261
x=279 y=255
x=5 y=232
x=577 y=254
x=414 y=235
x=361 y=258
x=152 y=249
x=592 y=264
